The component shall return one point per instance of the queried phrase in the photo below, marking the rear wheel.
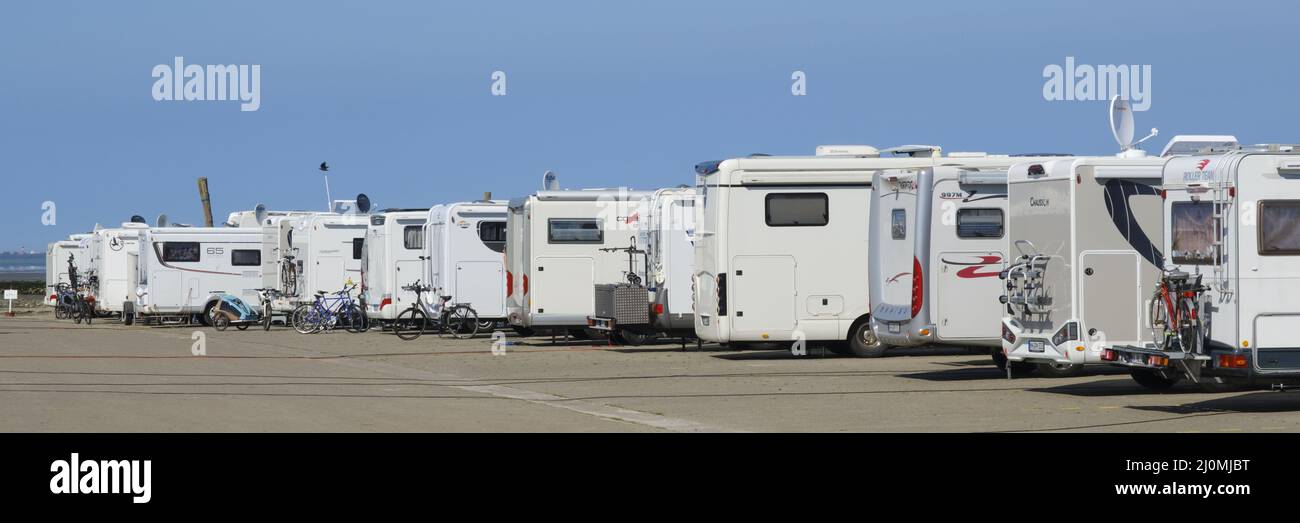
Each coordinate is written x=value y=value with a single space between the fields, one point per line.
x=266 y=317
x=864 y=343
x=220 y=321
x=461 y=322
x=354 y=319
x=305 y=319
x=1159 y=320
x=1189 y=327
x=628 y=337
x=409 y=325
x=1059 y=370
x=1153 y=379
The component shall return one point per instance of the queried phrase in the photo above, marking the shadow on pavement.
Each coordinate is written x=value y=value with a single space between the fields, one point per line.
x=1256 y=402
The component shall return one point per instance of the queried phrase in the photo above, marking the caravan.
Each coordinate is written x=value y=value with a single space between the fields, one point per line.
x=555 y=258
x=1083 y=235
x=781 y=250
x=394 y=245
x=113 y=257
x=183 y=271
x=464 y=246
x=1223 y=312
x=58 y=256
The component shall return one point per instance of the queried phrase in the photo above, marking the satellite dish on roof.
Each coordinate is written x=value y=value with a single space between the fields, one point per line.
x=161 y=221
x=259 y=212
x=1121 y=127
x=363 y=203
x=550 y=182
x=136 y=218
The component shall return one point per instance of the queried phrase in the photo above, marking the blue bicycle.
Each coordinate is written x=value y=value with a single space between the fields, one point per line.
x=330 y=310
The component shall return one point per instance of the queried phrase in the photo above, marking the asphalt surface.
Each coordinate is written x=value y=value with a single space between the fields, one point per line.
x=60 y=377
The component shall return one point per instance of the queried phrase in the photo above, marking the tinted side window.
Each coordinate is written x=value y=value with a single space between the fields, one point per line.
x=413 y=237
x=1279 y=227
x=898 y=224
x=979 y=223
x=358 y=248
x=574 y=231
x=245 y=257
x=797 y=210
x=493 y=235
x=181 y=251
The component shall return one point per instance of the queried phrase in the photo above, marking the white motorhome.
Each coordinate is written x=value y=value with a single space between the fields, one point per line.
x=260 y=217
x=1084 y=236
x=1233 y=223
x=668 y=236
x=326 y=251
x=464 y=248
x=937 y=244
x=781 y=245
x=182 y=271
x=554 y=256
x=58 y=255
x=113 y=258
x=394 y=245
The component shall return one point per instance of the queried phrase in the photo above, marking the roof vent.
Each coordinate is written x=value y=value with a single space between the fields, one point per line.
x=848 y=150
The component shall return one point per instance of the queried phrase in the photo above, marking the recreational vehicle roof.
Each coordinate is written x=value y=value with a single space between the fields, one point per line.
x=1105 y=167
x=779 y=170
x=1185 y=144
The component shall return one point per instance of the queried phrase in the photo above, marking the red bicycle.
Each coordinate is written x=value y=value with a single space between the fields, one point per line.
x=1175 y=313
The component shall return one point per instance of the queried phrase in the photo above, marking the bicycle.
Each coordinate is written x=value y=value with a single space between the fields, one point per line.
x=289 y=275
x=1175 y=312
x=329 y=310
x=459 y=319
x=267 y=296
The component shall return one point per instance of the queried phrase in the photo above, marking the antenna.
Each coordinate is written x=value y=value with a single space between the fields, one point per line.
x=259 y=212
x=161 y=221
x=550 y=182
x=1121 y=127
x=325 y=170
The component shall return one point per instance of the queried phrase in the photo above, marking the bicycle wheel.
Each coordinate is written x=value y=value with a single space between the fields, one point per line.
x=461 y=321
x=220 y=321
x=306 y=320
x=354 y=319
x=409 y=325
x=266 y=317
x=1159 y=320
x=59 y=312
x=1189 y=326
x=88 y=311
x=77 y=314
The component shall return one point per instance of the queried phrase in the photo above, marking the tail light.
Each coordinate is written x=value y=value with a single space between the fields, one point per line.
x=525 y=284
x=1157 y=361
x=1232 y=361
x=1007 y=334
x=53 y=296
x=388 y=300
x=659 y=308
x=510 y=284
x=1108 y=355
x=917 y=287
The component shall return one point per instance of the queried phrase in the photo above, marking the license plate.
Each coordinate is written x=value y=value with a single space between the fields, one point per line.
x=1036 y=346
x=893 y=328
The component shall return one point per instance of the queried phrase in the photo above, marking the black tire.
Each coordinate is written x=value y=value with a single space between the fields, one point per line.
x=242 y=326
x=60 y=313
x=128 y=318
x=627 y=337
x=354 y=320
x=88 y=311
x=1189 y=334
x=486 y=325
x=266 y=317
x=461 y=322
x=409 y=325
x=1055 y=370
x=579 y=334
x=206 y=318
x=77 y=315
x=1158 y=320
x=525 y=332
x=999 y=359
x=220 y=322
x=1154 y=380
x=863 y=342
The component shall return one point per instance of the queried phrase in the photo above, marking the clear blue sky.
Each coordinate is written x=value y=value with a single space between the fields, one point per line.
x=395 y=95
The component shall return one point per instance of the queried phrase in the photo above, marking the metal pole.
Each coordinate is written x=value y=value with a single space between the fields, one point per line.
x=207 y=201
x=329 y=202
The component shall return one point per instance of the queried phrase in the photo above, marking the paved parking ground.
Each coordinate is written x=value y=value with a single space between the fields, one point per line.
x=57 y=376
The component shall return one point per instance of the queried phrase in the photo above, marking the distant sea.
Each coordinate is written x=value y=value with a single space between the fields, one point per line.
x=22 y=267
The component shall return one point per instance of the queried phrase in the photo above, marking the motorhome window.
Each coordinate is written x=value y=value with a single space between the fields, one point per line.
x=413 y=237
x=358 y=247
x=1192 y=226
x=574 y=231
x=979 y=223
x=1279 y=227
x=181 y=252
x=245 y=257
x=797 y=210
x=493 y=235
x=898 y=224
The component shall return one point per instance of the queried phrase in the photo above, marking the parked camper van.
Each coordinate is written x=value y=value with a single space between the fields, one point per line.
x=324 y=251
x=937 y=243
x=76 y=250
x=394 y=245
x=1084 y=235
x=781 y=249
x=554 y=255
x=113 y=258
x=464 y=246
x=182 y=271
x=1233 y=244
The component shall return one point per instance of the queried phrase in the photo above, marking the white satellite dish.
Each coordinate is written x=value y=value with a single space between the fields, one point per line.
x=161 y=220
x=1121 y=125
x=259 y=212
x=550 y=182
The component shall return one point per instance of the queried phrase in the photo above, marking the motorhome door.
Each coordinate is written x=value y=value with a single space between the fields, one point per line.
x=482 y=285
x=563 y=285
x=406 y=272
x=763 y=293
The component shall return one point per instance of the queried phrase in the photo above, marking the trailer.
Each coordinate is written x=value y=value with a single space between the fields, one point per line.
x=60 y=258
x=554 y=256
x=394 y=246
x=464 y=258
x=113 y=258
x=184 y=271
x=1233 y=225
